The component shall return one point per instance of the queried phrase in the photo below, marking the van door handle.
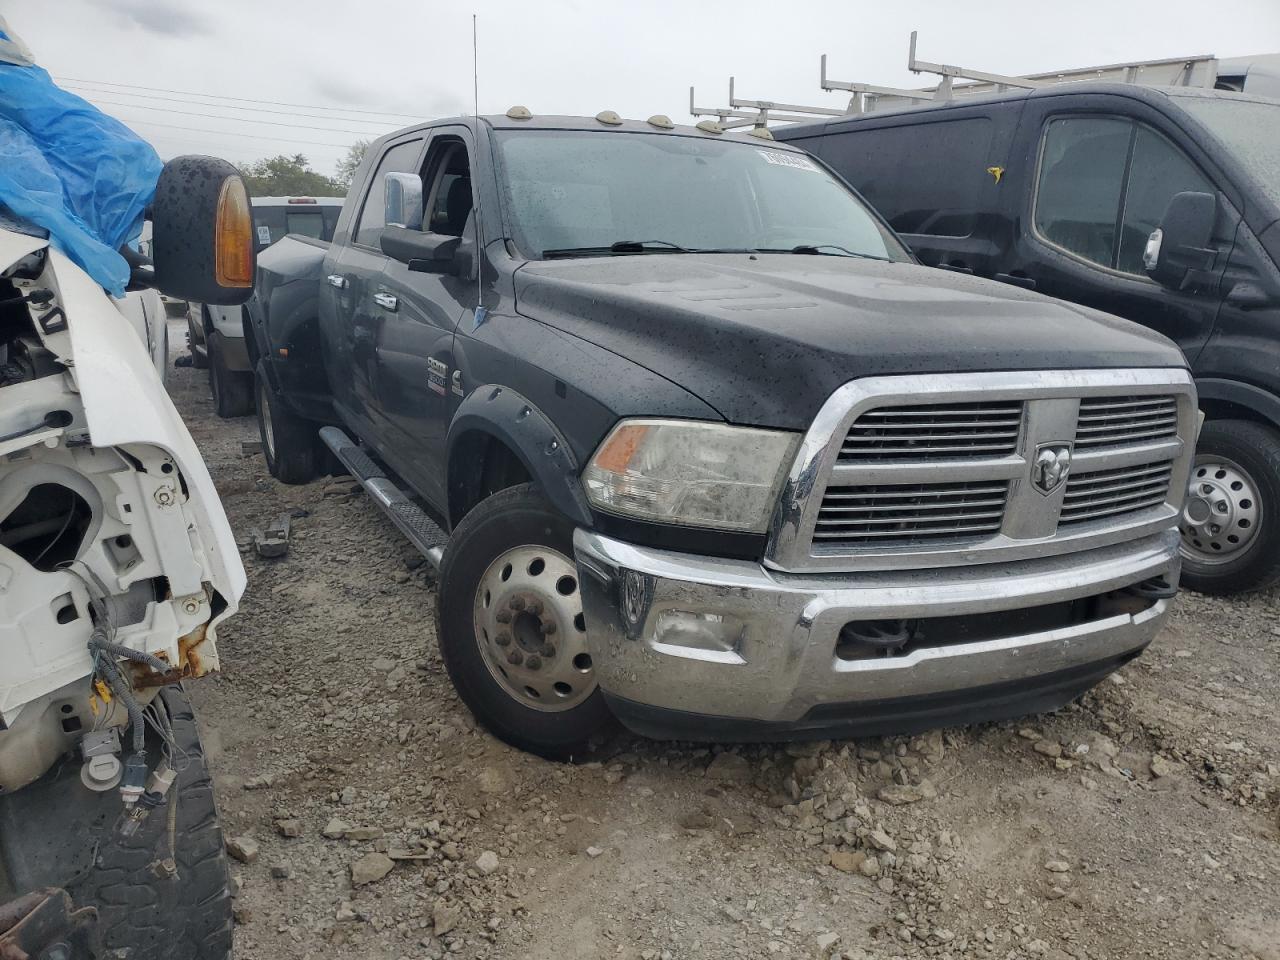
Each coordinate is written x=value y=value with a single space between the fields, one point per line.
x=1025 y=282
x=337 y=280
x=386 y=301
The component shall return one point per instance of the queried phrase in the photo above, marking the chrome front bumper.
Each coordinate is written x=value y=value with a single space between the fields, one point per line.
x=688 y=645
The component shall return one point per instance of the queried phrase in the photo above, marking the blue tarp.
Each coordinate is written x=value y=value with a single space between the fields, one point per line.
x=68 y=167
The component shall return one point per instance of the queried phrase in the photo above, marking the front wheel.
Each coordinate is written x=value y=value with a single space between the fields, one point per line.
x=1231 y=520
x=511 y=627
x=162 y=893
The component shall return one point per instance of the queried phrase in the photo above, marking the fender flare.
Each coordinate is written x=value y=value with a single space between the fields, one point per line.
x=507 y=415
x=1263 y=402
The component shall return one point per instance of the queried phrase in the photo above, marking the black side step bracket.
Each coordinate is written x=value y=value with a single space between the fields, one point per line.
x=408 y=517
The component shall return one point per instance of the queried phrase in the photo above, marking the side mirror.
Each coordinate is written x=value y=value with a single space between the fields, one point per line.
x=402 y=200
x=1181 y=243
x=423 y=252
x=202 y=232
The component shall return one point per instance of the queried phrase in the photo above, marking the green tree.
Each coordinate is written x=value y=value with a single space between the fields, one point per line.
x=283 y=176
x=349 y=164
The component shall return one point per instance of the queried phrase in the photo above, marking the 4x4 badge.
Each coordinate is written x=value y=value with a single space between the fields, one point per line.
x=1050 y=467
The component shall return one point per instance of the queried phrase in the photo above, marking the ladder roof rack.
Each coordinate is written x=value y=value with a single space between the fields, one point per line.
x=749 y=113
x=1196 y=71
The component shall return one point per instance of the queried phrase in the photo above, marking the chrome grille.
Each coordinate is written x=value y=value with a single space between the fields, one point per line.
x=887 y=514
x=936 y=431
x=1099 y=494
x=930 y=470
x=1124 y=421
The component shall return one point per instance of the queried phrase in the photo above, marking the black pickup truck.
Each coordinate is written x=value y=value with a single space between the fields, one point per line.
x=715 y=455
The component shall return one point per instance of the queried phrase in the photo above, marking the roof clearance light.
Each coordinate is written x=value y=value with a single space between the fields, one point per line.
x=302 y=200
x=609 y=117
x=519 y=113
x=661 y=121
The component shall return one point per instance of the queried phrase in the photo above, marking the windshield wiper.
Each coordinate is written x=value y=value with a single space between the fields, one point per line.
x=619 y=246
x=816 y=249
x=639 y=246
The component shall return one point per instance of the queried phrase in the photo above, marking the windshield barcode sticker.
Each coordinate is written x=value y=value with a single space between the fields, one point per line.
x=793 y=160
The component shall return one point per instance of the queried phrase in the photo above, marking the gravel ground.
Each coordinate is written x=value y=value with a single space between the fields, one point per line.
x=380 y=822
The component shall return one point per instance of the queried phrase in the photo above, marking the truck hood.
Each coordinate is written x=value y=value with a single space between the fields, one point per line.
x=766 y=339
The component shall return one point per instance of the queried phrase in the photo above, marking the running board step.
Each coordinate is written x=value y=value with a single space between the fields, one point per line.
x=408 y=517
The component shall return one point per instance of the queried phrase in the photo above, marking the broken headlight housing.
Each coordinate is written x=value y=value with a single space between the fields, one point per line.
x=691 y=472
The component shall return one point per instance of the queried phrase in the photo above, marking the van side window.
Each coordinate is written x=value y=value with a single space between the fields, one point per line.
x=924 y=178
x=1160 y=172
x=1082 y=168
x=402 y=158
x=1104 y=186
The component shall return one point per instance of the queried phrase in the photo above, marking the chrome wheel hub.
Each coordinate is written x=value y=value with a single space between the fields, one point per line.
x=530 y=628
x=1222 y=514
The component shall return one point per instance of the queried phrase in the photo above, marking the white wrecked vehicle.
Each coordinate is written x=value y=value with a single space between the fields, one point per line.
x=116 y=567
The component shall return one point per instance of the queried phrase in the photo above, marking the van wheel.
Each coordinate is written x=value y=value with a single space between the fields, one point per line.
x=288 y=441
x=232 y=389
x=511 y=627
x=1231 y=520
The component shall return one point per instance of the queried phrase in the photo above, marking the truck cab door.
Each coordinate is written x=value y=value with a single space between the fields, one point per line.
x=1096 y=184
x=353 y=288
x=421 y=312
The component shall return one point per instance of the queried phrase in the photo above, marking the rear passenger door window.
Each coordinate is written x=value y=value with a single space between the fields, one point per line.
x=1104 y=185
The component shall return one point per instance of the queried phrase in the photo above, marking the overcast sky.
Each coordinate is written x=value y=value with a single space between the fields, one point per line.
x=413 y=57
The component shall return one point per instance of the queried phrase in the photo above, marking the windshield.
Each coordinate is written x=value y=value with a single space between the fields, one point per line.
x=1250 y=129
x=581 y=192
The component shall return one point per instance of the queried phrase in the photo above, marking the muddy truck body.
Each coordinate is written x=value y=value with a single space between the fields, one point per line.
x=696 y=443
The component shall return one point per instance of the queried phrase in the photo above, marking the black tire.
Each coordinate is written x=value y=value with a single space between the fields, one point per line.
x=511 y=518
x=232 y=389
x=142 y=913
x=1255 y=448
x=199 y=358
x=289 y=443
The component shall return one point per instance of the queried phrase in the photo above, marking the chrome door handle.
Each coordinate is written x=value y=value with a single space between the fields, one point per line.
x=386 y=301
x=337 y=280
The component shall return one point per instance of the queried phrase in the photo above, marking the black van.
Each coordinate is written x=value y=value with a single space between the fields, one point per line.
x=1158 y=204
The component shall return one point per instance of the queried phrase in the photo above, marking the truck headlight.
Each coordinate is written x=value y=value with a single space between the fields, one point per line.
x=692 y=473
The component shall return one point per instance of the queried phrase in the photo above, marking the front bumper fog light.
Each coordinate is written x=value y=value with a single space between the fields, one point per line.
x=699 y=636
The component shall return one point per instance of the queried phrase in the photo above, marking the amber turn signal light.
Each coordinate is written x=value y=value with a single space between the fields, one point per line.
x=233 y=236
x=620 y=448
